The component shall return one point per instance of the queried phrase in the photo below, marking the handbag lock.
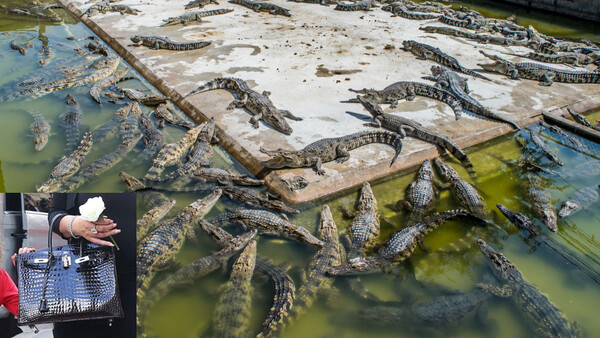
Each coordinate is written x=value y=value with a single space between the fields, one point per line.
x=66 y=260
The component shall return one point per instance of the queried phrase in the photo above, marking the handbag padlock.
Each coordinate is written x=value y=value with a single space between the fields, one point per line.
x=66 y=260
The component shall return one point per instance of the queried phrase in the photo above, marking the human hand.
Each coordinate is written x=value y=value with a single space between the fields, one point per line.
x=21 y=251
x=94 y=231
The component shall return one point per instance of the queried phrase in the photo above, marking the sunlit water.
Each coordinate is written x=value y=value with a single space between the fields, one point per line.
x=188 y=312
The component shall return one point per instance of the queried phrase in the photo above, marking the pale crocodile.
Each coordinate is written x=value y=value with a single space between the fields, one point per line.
x=363 y=5
x=171 y=153
x=40 y=129
x=259 y=6
x=226 y=176
x=419 y=194
x=98 y=86
x=253 y=199
x=163 y=42
x=186 y=18
x=151 y=218
x=581 y=199
x=164 y=115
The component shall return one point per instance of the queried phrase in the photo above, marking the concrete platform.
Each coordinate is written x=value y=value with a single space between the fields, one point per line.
x=308 y=62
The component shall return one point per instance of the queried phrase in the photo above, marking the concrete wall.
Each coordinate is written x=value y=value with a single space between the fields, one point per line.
x=585 y=9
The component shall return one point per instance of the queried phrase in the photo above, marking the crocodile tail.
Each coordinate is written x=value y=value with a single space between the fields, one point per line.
x=385 y=137
x=216 y=12
x=218 y=83
x=473 y=73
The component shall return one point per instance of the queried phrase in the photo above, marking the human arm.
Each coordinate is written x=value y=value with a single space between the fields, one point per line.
x=9 y=295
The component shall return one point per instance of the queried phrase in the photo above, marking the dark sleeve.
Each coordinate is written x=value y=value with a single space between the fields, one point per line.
x=58 y=210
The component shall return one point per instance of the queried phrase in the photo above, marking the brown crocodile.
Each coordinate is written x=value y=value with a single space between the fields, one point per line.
x=535 y=71
x=419 y=194
x=151 y=218
x=252 y=198
x=405 y=127
x=409 y=90
x=171 y=153
x=130 y=125
x=98 y=86
x=163 y=42
x=226 y=176
x=427 y=52
x=103 y=131
x=186 y=18
x=16 y=44
x=269 y=224
x=581 y=119
x=40 y=129
x=296 y=183
x=71 y=120
x=157 y=251
x=259 y=6
x=258 y=104
x=329 y=149
x=548 y=320
x=164 y=115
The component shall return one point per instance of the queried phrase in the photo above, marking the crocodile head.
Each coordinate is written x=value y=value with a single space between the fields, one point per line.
x=281 y=161
x=278 y=122
x=426 y=171
x=367 y=200
x=568 y=208
x=373 y=108
x=327 y=228
x=409 y=44
x=203 y=205
x=51 y=185
x=244 y=264
x=520 y=220
x=237 y=243
x=437 y=70
x=445 y=170
x=71 y=100
x=498 y=66
x=40 y=141
x=500 y=265
x=136 y=38
x=356 y=266
x=303 y=235
x=133 y=184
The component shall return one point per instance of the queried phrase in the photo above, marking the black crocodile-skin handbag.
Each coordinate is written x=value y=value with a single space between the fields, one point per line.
x=66 y=283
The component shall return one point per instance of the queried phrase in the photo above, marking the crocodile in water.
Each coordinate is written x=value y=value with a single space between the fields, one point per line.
x=419 y=194
x=581 y=199
x=164 y=115
x=98 y=86
x=71 y=120
x=364 y=230
x=541 y=145
x=40 y=129
x=542 y=202
x=186 y=18
x=171 y=153
x=153 y=140
x=581 y=119
x=151 y=218
x=163 y=42
x=543 y=315
x=150 y=198
x=252 y=198
x=130 y=126
x=258 y=104
x=21 y=47
x=329 y=149
x=137 y=96
x=226 y=176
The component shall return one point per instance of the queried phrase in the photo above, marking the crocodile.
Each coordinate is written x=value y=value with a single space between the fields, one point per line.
x=397 y=248
x=466 y=194
x=285 y=289
x=157 y=251
x=163 y=42
x=364 y=5
x=258 y=104
x=164 y=115
x=541 y=145
x=153 y=140
x=186 y=18
x=315 y=280
x=542 y=205
x=190 y=273
x=171 y=153
x=102 y=132
x=548 y=320
x=535 y=71
x=419 y=194
x=480 y=37
x=151 y=218
x=226 y=176
x=574 y=141
x=259 y=6
x=329 y=149
x=269 y=224
x=150 y=198
x=252 y=198
x=71 y=120
x=535 y=237
x=320 y=2
x=581 y=199
x=17 y=45
x=27 y=12
x=98 y=86
x=296 y=183
x=439 y=312
x=581 y=119
x=427 y=52
x=40 y=129
x=137 y=96
x=404 y=127
x=364 y=230
x=571 y=58
x=105 y=7
x=200 y=154
x=457 y=85
x=46 y=52
x=409 y=90
x=232 y=311
x=199 y=3
x=130 y=128
x=398 y=9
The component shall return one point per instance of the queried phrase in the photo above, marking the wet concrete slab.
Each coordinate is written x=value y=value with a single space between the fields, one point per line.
x=308 y=62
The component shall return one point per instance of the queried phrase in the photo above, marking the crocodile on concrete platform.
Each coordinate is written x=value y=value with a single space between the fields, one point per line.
x=363 y=5
x=171 y=153
x=409 y=90
x=137 y=96
x=548 y=320
x=199 y=3
x=571 y=58
x=186 y=18
x=464 y=192
x=480 y=37
x=71 y=120
x=535 y=71
x=163 y=42
x=542 y=202
x=364 y=230
x=446 y=79
x=258 y=6
x=581 y=199
x=258 y=104
x=320 y=2
x=397 y=248
x=40 y=129
x=226 y=176
x=404 y=127
x=427 y=52
x=157 y=251
x=98 y=86
x=151 y=218
x=252 y=198
x=232 y=312
x=541 y=145
x=268 y=224
x=419 y=194
x=398 y=9
x=164 y=115
x=329 y=149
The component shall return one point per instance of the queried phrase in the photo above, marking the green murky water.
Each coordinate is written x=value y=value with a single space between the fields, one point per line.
x=188 y=312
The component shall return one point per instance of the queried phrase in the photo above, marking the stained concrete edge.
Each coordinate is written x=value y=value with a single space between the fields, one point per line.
x=557 y=116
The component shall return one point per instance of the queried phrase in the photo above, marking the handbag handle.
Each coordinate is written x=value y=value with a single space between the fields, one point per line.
x=51 y=253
